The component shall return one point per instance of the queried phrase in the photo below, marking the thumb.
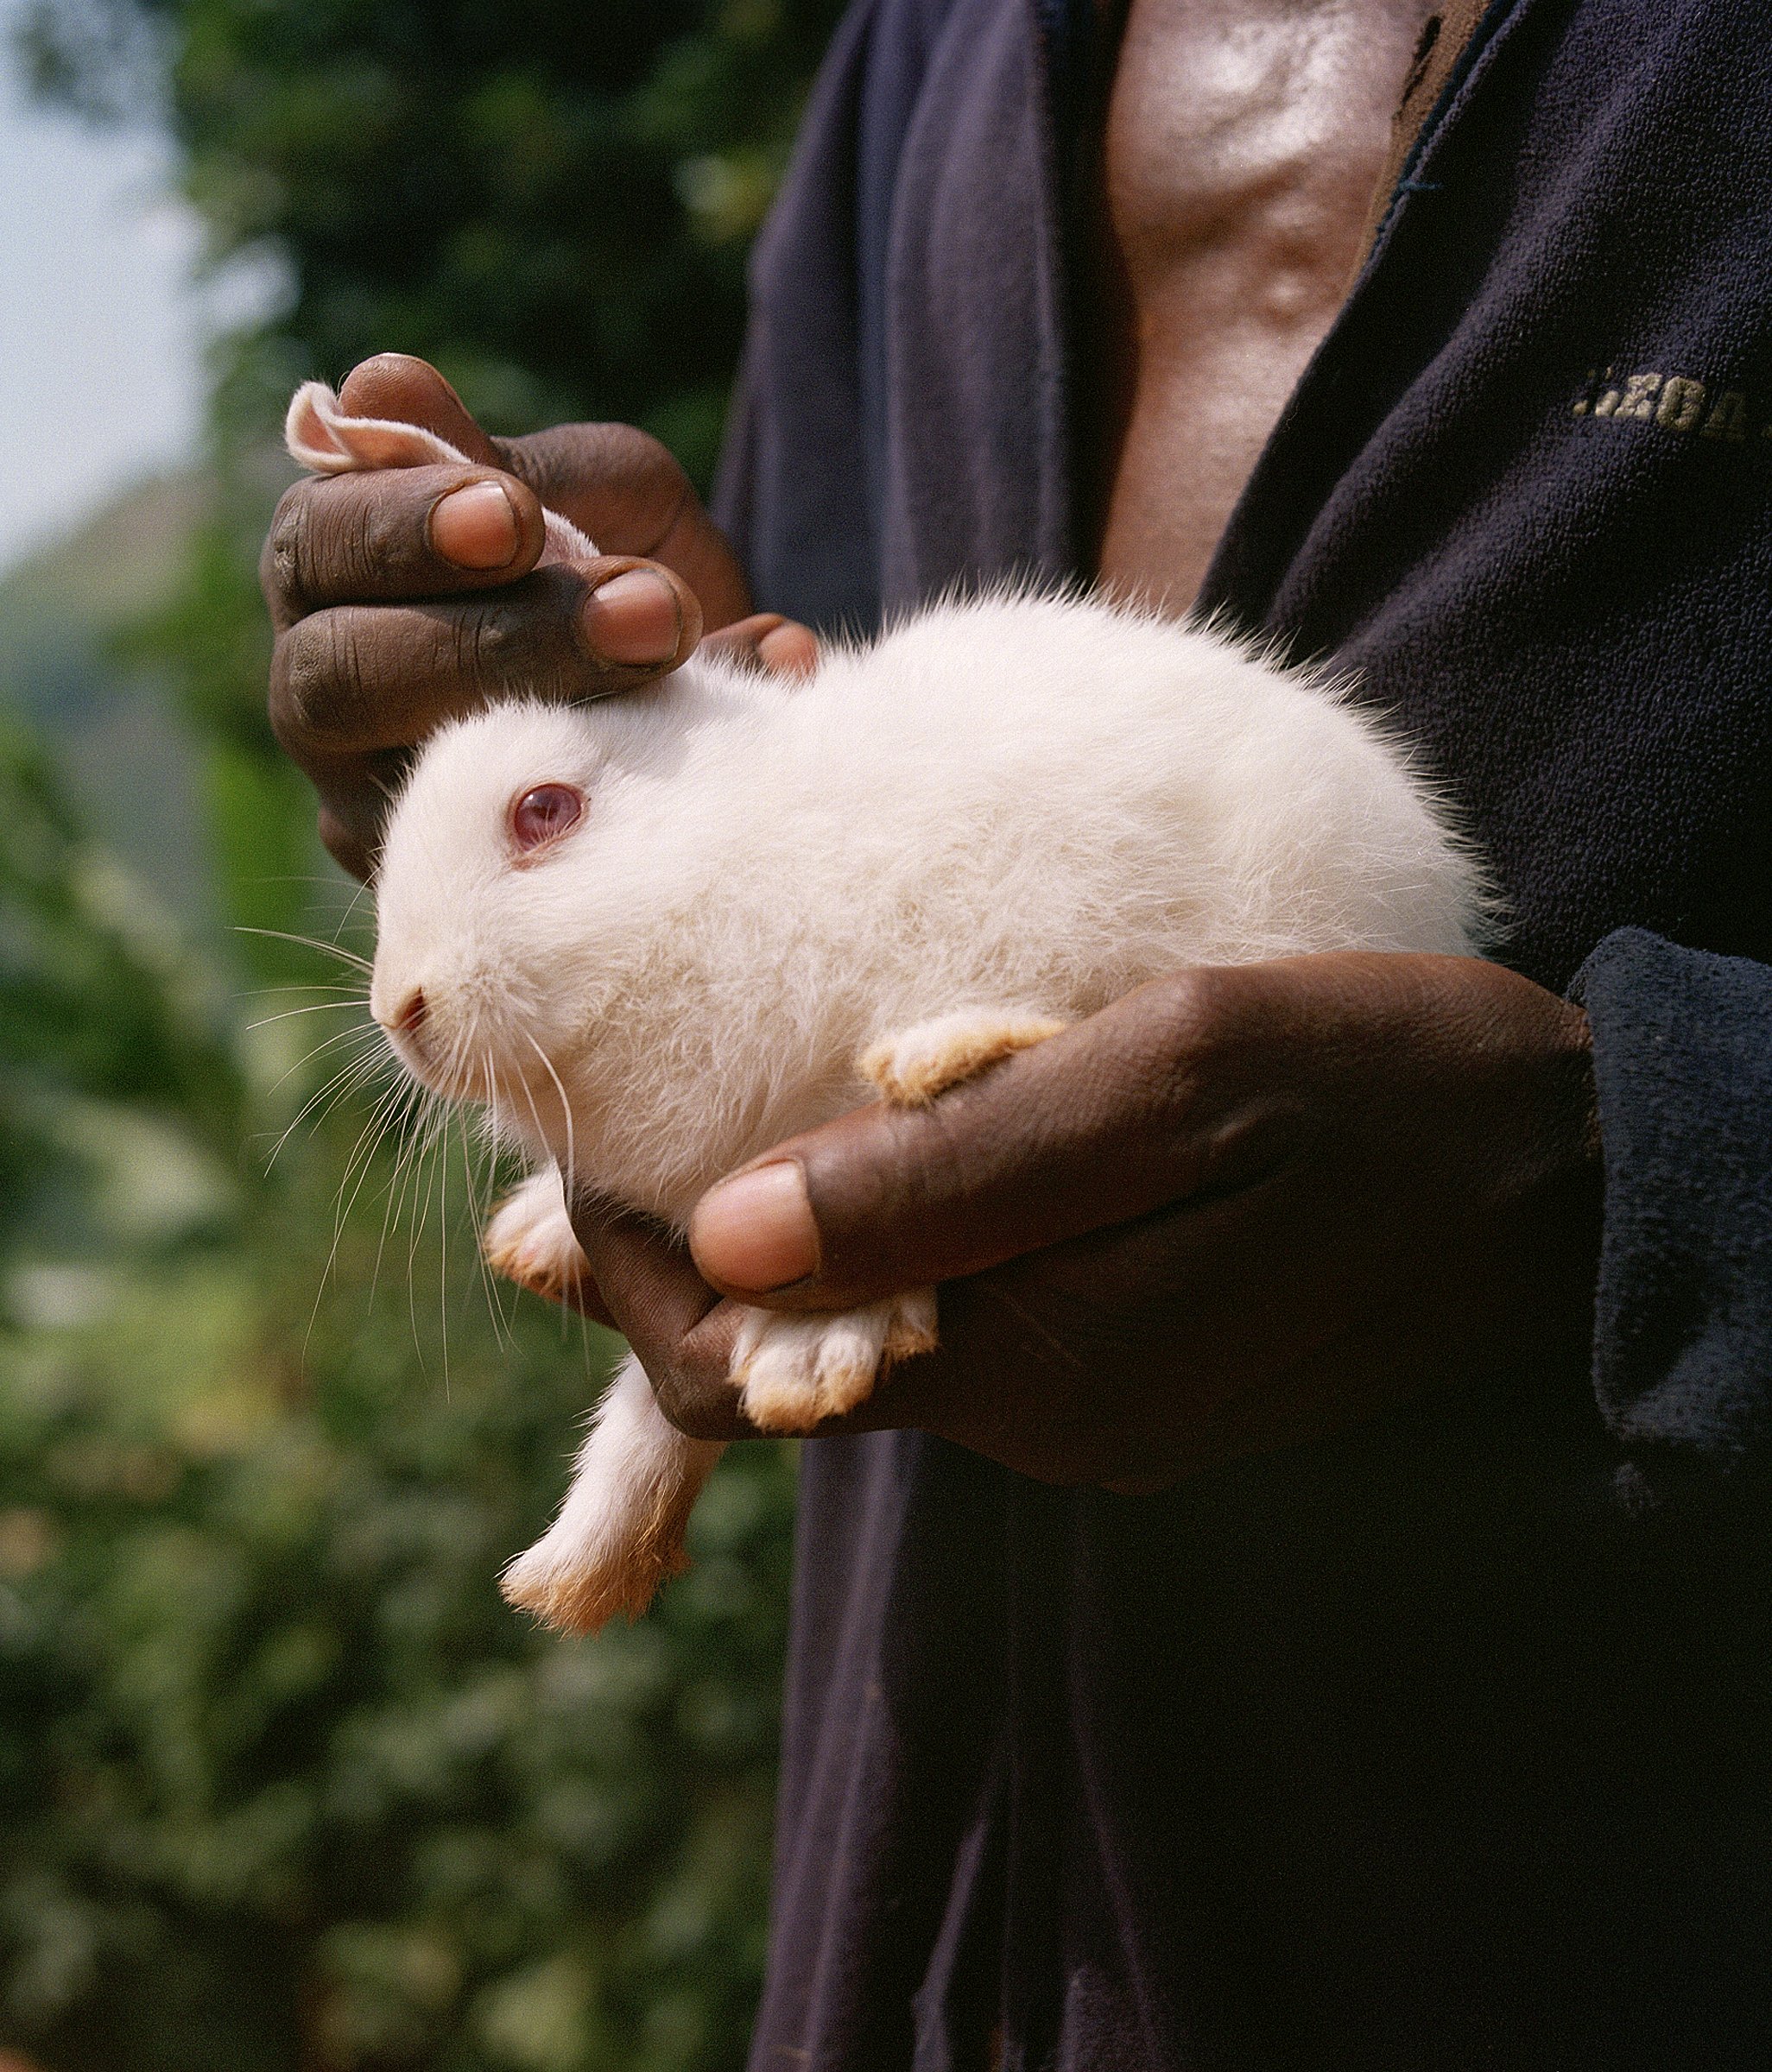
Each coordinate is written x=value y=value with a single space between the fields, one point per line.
x=1109 y=1120
x=411 y=391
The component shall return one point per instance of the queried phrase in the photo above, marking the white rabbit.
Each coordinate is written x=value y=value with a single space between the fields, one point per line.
x=656 y=935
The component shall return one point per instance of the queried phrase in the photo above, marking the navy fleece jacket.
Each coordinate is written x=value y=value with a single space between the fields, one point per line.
x=1445 y=1744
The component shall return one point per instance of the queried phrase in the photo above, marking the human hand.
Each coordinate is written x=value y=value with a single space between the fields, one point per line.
x=403 y=597
x=1239 y=1209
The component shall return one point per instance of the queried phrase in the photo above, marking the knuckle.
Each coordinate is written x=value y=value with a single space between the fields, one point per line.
x=1194 y=1004
x=527 y=635
x=1175 y=1045
x=630 y=454
x=632 y=481
x=345 y=684
x=489 y=644
x=357 y=549
x=1209 y=1048
x=651 y=480
x=280 y=568
x=356 y=538
x=286 y=706
x=688 y=1403
x=318 y=690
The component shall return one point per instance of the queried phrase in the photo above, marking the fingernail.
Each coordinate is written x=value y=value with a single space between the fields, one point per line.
x=789 y=651
x=633 y=618
x=475 y=527
x=756 y=1231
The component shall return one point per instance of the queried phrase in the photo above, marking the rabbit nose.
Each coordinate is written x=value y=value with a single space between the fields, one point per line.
x=409 y=1017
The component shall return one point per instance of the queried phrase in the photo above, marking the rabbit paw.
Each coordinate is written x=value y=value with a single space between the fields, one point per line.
x=794 y=1370
x=530 y=1240
x=619 y=1534
x=912 y=1068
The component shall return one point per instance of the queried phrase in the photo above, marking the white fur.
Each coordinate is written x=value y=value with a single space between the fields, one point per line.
x=1000 y=817
x=1018 y=804
x=794 y=1370
x=619 y=1533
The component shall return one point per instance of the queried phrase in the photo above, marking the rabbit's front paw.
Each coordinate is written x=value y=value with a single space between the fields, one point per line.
x=911 y=1068
x=530 y=1240
x=794 y=1370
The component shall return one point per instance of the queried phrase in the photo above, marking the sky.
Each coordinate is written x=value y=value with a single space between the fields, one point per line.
x=102 y=328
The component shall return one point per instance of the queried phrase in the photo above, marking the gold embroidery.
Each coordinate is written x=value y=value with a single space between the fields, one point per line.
x=1682 y=404
x=1584 y=402
x=1639 y=396
x=1674 y=402
x=1729 y=418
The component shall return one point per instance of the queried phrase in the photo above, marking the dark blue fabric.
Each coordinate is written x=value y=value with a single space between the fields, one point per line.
x=1444 y=1744
x=1684 y=1338
x=892 y=440
x=1572 y=613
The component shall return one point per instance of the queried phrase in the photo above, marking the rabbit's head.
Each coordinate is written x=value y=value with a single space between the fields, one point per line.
x=487 y=913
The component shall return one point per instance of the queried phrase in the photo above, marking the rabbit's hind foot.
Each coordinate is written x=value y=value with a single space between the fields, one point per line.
x=619 y=1533
x=793 y=1370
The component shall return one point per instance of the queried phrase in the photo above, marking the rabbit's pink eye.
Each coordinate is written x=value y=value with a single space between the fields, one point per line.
x=540 y=815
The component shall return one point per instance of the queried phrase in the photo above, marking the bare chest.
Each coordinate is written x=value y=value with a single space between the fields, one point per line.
x=1241 y=145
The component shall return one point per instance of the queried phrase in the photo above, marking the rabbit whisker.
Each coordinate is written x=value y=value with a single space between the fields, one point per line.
x=361 y=1031
x=412 y=1098
x=309 y=942
x=360 y=1162
x=318 y=1007
x=434 y=1126
x=347 y=1077
x=565 y=1108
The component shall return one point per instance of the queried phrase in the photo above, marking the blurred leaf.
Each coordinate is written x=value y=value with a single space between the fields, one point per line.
x=284 y=1786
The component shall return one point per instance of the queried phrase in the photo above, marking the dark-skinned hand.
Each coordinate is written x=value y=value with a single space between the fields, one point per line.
x=1238 y=1208
x=1235 y=1209
x=402 y=598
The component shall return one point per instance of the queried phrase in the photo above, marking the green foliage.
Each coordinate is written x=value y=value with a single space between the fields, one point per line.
x=552 y=200
x=285 y=1785
x=96 y=1012
x=282 y=1782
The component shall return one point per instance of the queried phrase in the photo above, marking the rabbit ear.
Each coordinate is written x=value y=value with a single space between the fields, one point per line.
x=565 y=542
x=320 y=435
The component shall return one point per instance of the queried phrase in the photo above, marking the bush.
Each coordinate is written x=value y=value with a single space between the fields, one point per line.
x=282 y=1782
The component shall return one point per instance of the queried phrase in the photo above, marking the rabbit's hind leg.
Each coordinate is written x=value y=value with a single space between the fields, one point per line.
x=619 y=1534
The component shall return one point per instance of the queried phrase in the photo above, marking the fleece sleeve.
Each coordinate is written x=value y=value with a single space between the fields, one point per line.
x=1683 y=1328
